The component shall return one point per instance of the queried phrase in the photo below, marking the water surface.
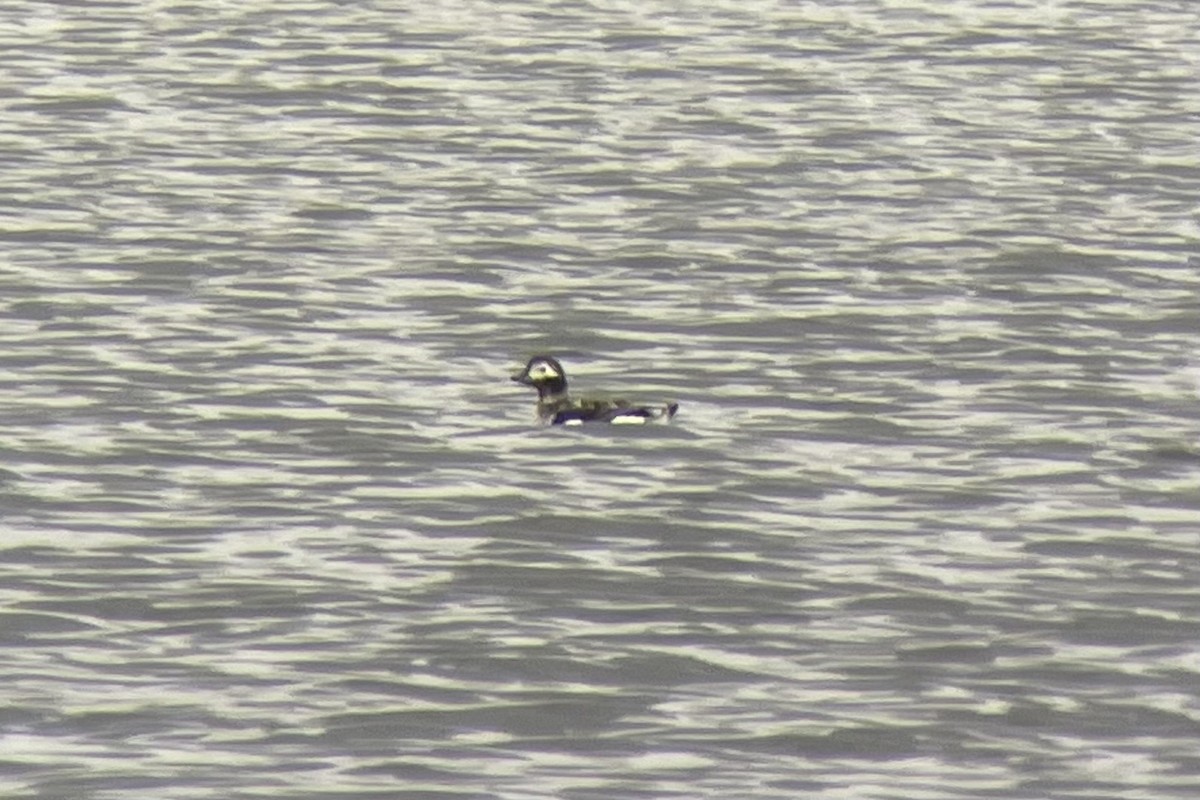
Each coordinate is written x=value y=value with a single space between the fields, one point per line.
x=922 y=276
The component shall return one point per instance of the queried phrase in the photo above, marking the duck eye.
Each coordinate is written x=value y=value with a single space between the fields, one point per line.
x=542 y=370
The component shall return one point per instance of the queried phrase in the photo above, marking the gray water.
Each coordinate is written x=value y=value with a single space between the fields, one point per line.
x=923 y=277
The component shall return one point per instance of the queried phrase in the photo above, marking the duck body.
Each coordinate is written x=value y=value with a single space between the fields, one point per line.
x=555 y=405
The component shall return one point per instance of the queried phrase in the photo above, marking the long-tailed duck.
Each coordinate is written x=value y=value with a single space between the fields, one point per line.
x=556 y=407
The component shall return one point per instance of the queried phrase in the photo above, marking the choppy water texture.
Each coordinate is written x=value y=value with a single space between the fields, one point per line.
x=922 y=275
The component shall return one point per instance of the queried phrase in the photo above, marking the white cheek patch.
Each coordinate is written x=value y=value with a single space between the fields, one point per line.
x=628 y=419
x=541 y=371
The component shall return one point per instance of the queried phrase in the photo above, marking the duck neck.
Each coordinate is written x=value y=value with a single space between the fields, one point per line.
x=552 y=399
x=552 y=391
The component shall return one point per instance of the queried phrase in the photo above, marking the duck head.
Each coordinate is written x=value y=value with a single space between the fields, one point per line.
x=545 y=374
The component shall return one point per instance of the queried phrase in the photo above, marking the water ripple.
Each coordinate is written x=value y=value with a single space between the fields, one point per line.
x=920 y=275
